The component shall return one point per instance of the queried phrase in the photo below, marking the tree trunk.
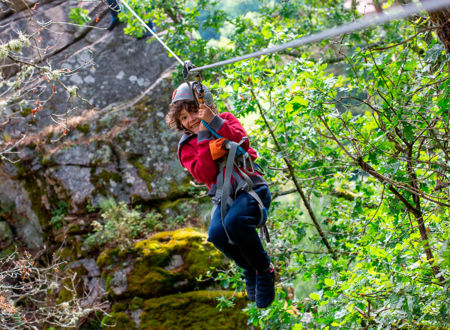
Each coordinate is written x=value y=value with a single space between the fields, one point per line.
x=378 y=4
x=442 y=20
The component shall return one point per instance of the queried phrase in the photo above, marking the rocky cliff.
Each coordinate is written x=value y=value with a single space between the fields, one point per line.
x=115 y=144
x=101 y=133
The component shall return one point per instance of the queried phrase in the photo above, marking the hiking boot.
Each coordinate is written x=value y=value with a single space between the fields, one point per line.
x=265 y=287
x=250 y=284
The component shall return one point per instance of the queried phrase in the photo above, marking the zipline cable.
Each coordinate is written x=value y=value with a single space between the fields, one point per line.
x=152 y=32
x=398 y=12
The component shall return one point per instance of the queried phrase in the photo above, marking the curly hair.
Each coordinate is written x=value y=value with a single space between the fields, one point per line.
x=172 y=117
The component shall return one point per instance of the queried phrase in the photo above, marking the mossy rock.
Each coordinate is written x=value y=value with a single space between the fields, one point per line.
x=6 y=234
x=171 y=261
x=193 y=310
x=66 y=254
x=165 y=263
x=73 y=251
x=119 y=320
x=84 y=128
x=108 y=257
x=7 y=251
x=68 y=292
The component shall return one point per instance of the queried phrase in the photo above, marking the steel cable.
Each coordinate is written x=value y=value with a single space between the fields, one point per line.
x=395 y=13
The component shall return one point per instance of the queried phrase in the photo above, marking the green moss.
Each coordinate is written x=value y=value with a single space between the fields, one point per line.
x=151 y=249
x=119 y=320
x=107 y=176
x=136 y=303
x=67 y=254
x=84 y=128
x=49 y=137
x=143 y=173
x=80 y=251
x=152 y=272
x=66 y=293
x=108 y=279
x=25 y=111
x=73 y=251
x=160 y=247
x=93 y=322
x=200 y=258
x=47 y=160
x=189 y=233
x=119 y=307
x=193 y=310
x=35 y=195
x=169 y=204
x=102 y=180
x=151 y=275
x=150 y=281
x=107 y=257
x=5 y=252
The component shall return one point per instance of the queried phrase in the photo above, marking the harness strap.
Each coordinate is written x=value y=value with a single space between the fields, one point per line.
x=219 y=184
x=227 y=186
x=263 y=216
x=244 y=182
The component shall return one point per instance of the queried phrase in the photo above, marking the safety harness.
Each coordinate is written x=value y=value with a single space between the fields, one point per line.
x=231 y=167
x=234 y=164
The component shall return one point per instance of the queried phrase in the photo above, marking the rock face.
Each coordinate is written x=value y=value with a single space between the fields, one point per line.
x=107 y=67
x=116 y=143
x=19 y=212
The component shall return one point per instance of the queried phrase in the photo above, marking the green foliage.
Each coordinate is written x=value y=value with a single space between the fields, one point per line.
x=121 y=226
x=79 y=15
x=58 y=215
x=180 y=21
x=359 y=127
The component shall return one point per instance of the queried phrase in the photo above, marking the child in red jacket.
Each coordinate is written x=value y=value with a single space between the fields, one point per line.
x=242 y=217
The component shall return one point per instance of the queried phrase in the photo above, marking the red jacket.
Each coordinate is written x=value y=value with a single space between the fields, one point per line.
x=194 y=154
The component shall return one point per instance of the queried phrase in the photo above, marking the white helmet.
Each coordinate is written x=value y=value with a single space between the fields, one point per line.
x=184 y=92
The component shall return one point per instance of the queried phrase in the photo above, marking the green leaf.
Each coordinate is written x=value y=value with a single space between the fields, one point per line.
x=329 y=281
x=300 y=100
x=79 y=15
x=314 y=296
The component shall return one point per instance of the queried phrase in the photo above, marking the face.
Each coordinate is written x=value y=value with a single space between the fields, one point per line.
x=189 y=120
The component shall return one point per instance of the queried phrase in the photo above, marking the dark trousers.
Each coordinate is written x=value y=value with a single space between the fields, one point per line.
x=240 y=221
x=113 y=8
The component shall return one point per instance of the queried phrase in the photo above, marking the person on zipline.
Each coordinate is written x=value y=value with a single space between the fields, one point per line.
x=236 y=235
